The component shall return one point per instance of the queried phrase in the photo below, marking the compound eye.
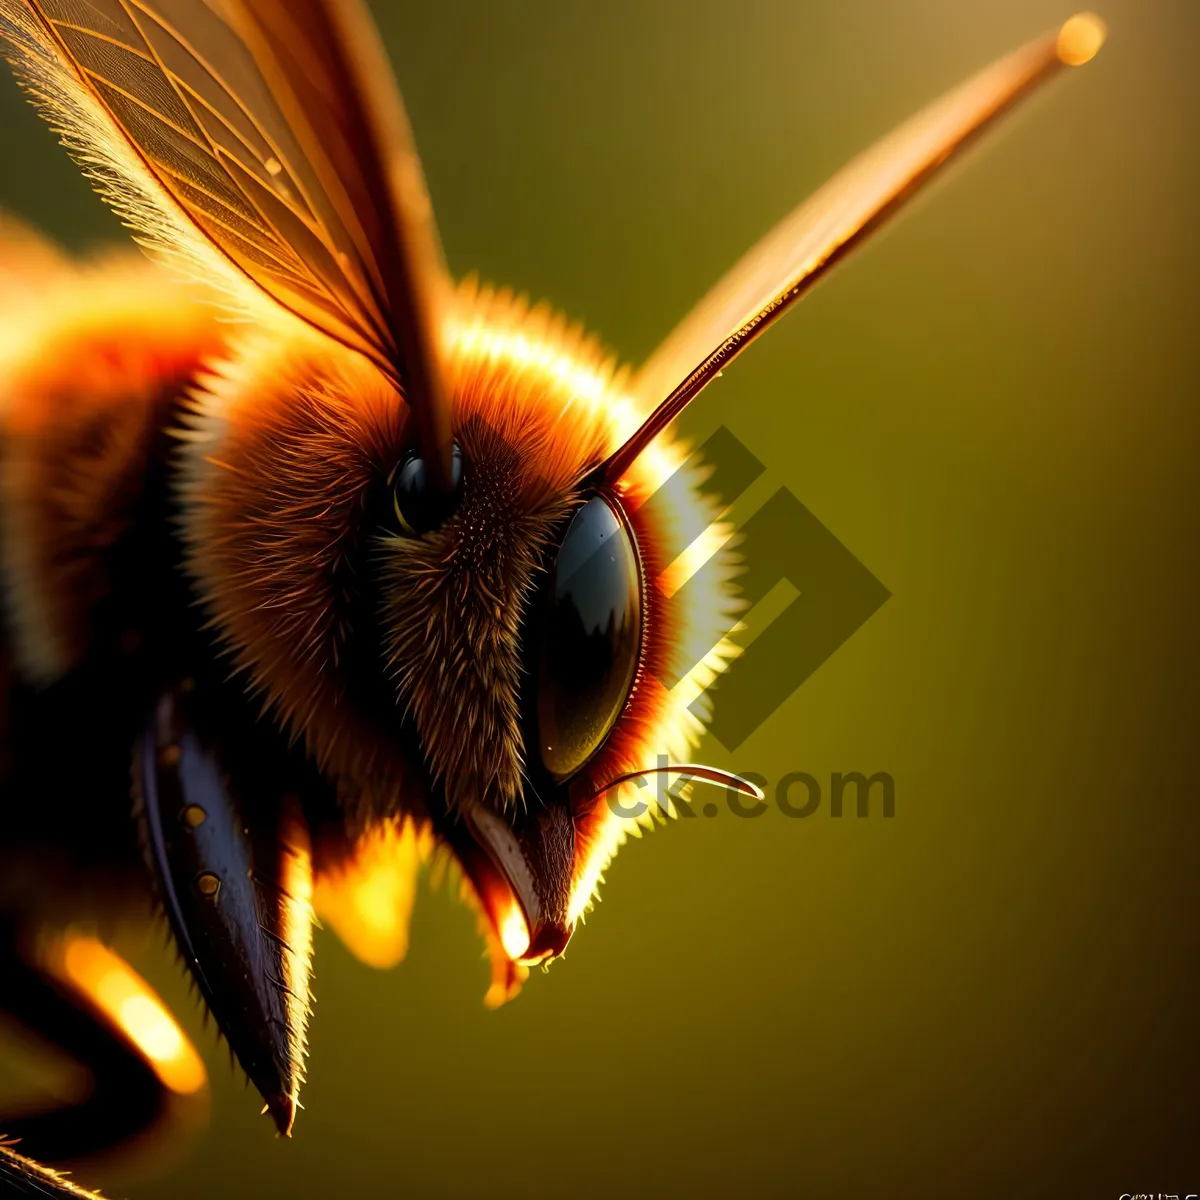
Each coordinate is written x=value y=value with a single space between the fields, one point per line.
x=591 y=637
x=417 y=506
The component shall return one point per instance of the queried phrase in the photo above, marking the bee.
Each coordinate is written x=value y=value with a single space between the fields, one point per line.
x=316 y=563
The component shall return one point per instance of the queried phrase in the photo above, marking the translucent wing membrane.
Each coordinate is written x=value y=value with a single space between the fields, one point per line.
x=275 y=129
x=806 y=244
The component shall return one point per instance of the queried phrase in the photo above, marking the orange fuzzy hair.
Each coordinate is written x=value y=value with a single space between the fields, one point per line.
x=91 y=359
x=280 y=451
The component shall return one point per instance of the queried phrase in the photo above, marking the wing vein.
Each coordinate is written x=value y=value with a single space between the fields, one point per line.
x=301 y=213
x=156 y=113
x=274 y=244
x=102 y=37
x=215 y=76
x=215 y=216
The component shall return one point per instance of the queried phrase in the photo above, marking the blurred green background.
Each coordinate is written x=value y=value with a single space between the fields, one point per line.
x=994 y=408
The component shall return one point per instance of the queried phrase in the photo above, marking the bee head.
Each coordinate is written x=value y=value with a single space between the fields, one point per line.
x=488 y=656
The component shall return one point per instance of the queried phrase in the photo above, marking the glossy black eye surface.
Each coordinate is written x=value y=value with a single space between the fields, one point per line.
x=417 y=506
x=591 y=637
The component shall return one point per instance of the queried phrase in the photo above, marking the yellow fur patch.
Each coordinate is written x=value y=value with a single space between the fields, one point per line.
x=90 y=357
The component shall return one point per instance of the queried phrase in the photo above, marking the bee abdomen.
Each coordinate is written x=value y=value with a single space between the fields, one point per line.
x=94 y=365
x=99 y=361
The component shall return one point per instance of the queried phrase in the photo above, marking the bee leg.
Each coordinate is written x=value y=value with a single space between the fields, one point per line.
x=140 y=1074
x=221 y=801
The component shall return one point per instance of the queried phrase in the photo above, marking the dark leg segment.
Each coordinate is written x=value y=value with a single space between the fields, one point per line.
x=222 y=806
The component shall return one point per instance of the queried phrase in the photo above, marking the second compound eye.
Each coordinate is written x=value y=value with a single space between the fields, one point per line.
x=417 y=505
x=590 y=637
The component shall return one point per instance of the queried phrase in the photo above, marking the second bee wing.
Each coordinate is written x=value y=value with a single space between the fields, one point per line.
x=276 y=132
x=798 y=252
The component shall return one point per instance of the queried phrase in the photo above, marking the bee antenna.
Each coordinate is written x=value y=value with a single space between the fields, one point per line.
x=713 y=775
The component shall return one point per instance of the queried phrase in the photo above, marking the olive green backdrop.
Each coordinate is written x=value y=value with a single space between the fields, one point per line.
x=994 y=408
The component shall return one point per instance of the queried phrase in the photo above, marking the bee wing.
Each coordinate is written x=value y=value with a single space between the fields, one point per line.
x=272 y=128
x=818 y=234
